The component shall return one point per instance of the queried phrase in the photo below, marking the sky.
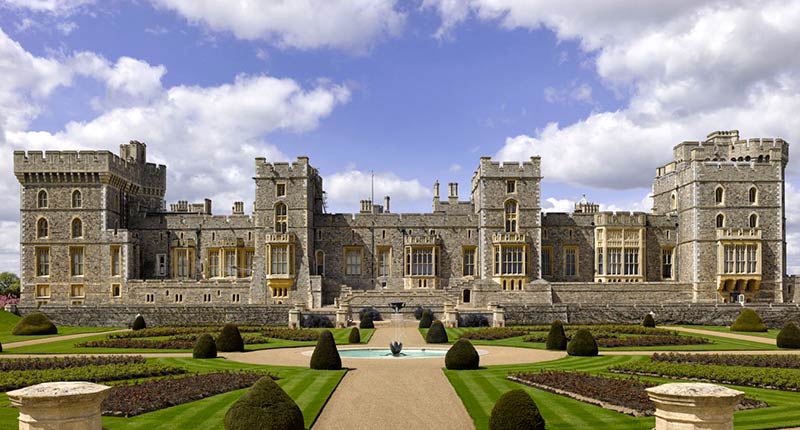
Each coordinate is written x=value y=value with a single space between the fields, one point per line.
x=412 y=90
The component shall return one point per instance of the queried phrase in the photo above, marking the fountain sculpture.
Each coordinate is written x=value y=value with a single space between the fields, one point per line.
x=396 y=346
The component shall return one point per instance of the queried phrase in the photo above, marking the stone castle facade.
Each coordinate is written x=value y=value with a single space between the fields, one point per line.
x=95 y=230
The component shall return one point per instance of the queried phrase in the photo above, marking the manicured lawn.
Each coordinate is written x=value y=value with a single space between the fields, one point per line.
x=309 y=388
x=68 y=346
x=771 y=334
x=9 y=320
x=480 y=389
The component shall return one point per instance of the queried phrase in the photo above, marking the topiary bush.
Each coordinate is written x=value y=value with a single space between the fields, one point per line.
x=788 y=337
x=366 y=322
x=556 y=338
x=325 y=355
x=515 y=410
x=376 y=315
x=355 y=336
x=34 y=324
x=138 y=323
x=437 y=333
x=462 y=356
x=204 y=347
x=473 y=320
x=230 y=340
x=748 y=320
x=649 y=321
x=316 y=321
x=426 y=320
x=582 y=344
x=419 y=310
x=264 y=406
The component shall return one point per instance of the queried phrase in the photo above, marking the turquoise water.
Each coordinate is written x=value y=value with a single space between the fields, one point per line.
x=385 y=353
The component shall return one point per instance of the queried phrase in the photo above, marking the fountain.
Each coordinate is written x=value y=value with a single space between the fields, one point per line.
x=396 y=346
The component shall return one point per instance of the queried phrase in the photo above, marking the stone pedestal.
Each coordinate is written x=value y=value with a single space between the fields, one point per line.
x=342 y=315
x=60 y=406
x=450 y=316
x=694 y=406
x=498 y=315
x=294 y=316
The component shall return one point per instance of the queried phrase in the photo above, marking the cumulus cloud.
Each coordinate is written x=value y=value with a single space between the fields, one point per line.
x=344 y=24
x=57 y=7
x=345 y=189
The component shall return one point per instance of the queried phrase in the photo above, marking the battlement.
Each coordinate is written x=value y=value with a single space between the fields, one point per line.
x=620 y=219
x=282 y=169
x=489 y=168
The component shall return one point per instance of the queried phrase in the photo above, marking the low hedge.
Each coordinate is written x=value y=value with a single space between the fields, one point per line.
x=205 y=347
x=34 y=324
x=230 y=339
x=582 y=344
x=264 y=406
x=556 y=338
x=325 y=355
x=437 y=333
x=748 y=321
x=516 y=410
x=462 y=356
x=788 y=337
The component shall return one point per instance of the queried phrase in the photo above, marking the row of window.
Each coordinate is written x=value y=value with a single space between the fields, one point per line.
x=178 y=297
x=76 y=291
x=752 y=220
x=570 y=261
x=42 y=203
x=719 y=196
x=42 y=260
x=43 y=228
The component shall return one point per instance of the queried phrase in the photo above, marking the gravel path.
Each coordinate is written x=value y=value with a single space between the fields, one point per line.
x=57 y=338
x=723 y=334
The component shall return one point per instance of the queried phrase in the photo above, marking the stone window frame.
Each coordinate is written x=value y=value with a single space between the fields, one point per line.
x=212 y=267
x=73 y=265
x=318 y=260
x=281 y=220
x=501 y=265
x=719 y=195
x=115 y=266
x=577 y=261
x=190 y=257
x=379 y=250
x=290 y=258
x=278 y=187
x=719 y=220
x=549 y=249
x=673 y=201
x=464 y=251
x=76 y=222
x=664 y=251
x=116 y=290
x=39 y=225
x=752 y=195
x=236 y=298
x=511 y=217
x=42 y=199
x=511 y=186
x=39 y=288
x=76 y=203
x=159 y=267
x=77 y=291
x=149 y=298
x=345 y=250
x=38 y=269
x=752 y=220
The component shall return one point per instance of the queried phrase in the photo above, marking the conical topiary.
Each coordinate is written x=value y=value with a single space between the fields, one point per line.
x=437 y=333
x=582 y=344
x=366 y=321
x=462 y=356
x=34 y=324
x=138 y=323
x=326 y=356
x=515 y=410
x=426 y=320
x=788 y=337
x=556 y=338
x=204 y=347
x=649 y=321
x=230 y=339
x=748 y=321
x=355 y=336
x=264 y=406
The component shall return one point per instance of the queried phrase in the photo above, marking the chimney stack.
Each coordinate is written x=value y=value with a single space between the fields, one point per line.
x=386 y=204
x=238 y=208
x=436 y=190
x=453 y=194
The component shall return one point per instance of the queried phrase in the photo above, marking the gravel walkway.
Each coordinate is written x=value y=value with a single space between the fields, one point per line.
x=57 y=338
x=723 y=334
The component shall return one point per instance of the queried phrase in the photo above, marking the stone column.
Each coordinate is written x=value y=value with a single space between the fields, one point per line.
x=694 y=406
x=498 y=315
x=342 y=315
x=60 y=406
x=450 y=315
x=294 y=315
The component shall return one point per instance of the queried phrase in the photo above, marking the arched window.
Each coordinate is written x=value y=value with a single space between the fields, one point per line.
x=753 y=220
x=753 y=195
x=281 y=221
x=720 y=221
x=41 y=199
x=77 y=199
x=77 y=228
x=319 y=258
x=42 y=228
x=673 y=201
x=719 y=195
x=511 y=216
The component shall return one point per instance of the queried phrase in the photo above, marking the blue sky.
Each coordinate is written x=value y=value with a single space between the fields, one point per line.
x=413 y=90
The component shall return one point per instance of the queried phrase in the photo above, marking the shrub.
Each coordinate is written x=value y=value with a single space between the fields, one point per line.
x=34 y=324
x=437 y=333
x=316 y=321
x=556 y=339
x=355 y=336
x=748 y=320
x=582 y=344
x=230 y=340
x=376 y=315
x=1 y=347
x=473 y=320
x=649 y=321
x=515 y=410
x=264 y=406
x=462 y=356
x=205 y=347
x=366 y=322
x=426 y=320
x=420 y=310
x=325 y=355
x=138 y=323
x=789 y=337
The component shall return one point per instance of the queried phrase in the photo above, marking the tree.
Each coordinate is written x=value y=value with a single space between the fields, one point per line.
x=9 y=284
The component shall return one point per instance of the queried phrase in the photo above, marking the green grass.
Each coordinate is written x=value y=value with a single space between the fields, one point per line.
x=9 y=320
x=340 y=335
x=309 y=388
x=480 y=389
x=771 y=334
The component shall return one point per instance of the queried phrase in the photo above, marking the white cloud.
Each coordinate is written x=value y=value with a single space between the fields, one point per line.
x=455 y=168
x=67 y=27
x=346 y=189
x=345 y=24
x=552 y=204
x=574 y=92
x=57 y=7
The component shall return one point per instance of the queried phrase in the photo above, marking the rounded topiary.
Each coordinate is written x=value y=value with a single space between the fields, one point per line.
x=355 y=336
x=374 y=313
x=326 y=356
x=515 y=410
x=366 y=322
x=788 y=337
x=649 y=321
x=138 y=323
x=556 y=338
x=437 y=333
x=462 y=356
x=204 y=347
x=426 y=320
x=230 y=340
x=33 y=324
x=748 y=320
x=264 y=406
x=582 y=344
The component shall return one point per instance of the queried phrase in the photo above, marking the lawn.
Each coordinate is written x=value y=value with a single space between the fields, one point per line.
x=309 y=388
x=480 y=389
x=771 y=334
x=9 y=320
x=68 y=346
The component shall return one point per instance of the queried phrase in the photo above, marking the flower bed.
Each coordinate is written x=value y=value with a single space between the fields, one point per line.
x=776 y=361
x=494 y=333
x=47 y=363
x=299 y=335
x=650 y=341
x=13 y=379
x=138 y=344
x=139 y=398
x=178 y=331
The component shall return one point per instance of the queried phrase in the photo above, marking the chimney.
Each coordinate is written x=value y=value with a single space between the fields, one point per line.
x=453 y=194
x=436 y=190
x=386 y=204
x=207 y=206
x=238 y=208
x=366 y=206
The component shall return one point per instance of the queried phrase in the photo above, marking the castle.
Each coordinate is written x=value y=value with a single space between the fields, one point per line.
x=95 y=230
